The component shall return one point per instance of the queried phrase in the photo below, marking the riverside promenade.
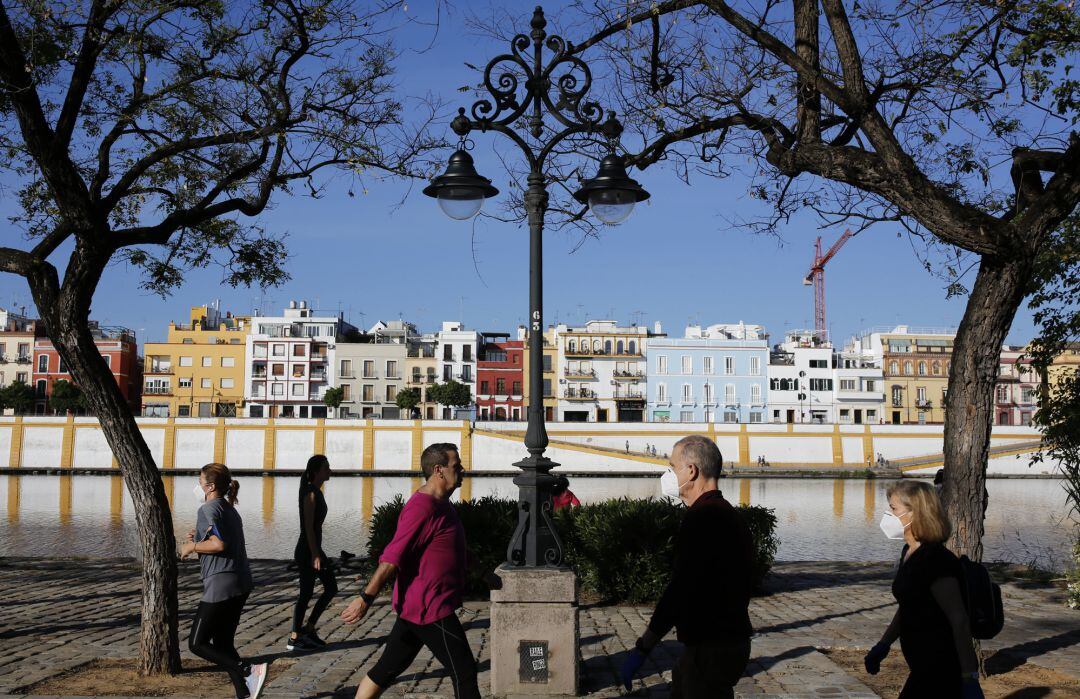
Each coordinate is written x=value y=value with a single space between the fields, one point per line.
x=60 y=614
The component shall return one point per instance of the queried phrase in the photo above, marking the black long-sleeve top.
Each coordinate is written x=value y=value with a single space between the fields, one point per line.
x=708 y=596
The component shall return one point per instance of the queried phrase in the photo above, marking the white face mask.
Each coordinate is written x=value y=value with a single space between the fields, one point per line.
x=892 y=526
x=669 y=484
x=198 y=491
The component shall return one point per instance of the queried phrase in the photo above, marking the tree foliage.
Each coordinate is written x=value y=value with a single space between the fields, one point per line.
x=334 y=397
x=407 y=399
x=452 y=393
x=66 y=397
x=18 y=396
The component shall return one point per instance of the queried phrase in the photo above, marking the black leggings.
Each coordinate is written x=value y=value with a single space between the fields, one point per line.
x=212 y=634
x=444 y=638
x=307 y=589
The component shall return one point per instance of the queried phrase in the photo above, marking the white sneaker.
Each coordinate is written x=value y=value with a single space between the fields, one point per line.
x=255 y=680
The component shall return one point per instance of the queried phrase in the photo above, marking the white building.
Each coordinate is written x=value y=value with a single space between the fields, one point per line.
x=456 y=352
x=801 y=379
x=859 y=386
x=603 y=371
x=290 y=362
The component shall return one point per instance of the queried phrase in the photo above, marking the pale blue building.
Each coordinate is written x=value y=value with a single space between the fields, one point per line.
x=718 y=374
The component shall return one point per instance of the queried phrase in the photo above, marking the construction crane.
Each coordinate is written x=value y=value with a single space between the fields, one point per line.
x=816 y=276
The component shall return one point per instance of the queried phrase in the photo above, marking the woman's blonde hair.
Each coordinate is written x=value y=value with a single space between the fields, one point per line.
x=929 y=525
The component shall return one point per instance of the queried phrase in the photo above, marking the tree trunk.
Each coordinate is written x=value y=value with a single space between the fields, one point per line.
x=999 y=289
x=66 y=314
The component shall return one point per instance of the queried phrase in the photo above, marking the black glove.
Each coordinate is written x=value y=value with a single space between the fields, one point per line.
x=873 y=658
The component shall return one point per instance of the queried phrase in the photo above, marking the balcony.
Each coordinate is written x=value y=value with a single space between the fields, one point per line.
x=631 y=395
x=579 y=394
x=588 y=352
x=157 y=369
x=316 y=376
x=23 y=359
x=580 y=373
x=629 y=375
x=157 y=390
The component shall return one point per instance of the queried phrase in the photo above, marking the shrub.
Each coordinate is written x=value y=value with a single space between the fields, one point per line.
x=622 y=550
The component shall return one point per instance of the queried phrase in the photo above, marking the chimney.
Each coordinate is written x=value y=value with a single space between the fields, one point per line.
x=292 y=304
x=303 y=304
x=657 y=329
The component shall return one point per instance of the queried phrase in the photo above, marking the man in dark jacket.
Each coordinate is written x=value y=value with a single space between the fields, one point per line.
x=708 y=596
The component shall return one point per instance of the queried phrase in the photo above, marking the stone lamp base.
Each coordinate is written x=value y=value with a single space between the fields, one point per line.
x=534 y=633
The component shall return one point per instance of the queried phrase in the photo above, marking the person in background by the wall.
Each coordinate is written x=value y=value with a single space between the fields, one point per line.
x=561 y=495
x=218 y=540
x=310 y=559
x=931 y=620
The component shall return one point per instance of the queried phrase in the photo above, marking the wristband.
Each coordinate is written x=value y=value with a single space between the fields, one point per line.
x=368 y=599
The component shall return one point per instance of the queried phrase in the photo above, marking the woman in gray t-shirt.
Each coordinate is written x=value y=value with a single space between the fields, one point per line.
x=218 y=540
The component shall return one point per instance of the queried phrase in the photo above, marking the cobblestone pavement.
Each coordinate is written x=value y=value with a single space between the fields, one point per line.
x=59 y=614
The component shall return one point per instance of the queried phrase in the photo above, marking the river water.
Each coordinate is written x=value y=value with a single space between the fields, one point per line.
x=818 y=519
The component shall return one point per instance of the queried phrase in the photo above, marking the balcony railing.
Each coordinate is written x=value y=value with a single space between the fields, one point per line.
x=23 y=359
x=588 y=352
x=629 y=375
x=580 y=373
x=157 y=390
x=632 y=395
x=579 y=394
x=317 y=376
x=158 y=369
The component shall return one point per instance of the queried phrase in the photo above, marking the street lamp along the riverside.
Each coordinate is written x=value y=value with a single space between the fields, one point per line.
x=523 y=91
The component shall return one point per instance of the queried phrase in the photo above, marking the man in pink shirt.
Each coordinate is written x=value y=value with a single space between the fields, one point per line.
x=428 y=555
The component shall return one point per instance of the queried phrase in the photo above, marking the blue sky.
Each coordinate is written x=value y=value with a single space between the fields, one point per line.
x=676 y=260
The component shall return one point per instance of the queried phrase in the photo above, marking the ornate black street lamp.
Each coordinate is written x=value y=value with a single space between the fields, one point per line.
x=610 y=195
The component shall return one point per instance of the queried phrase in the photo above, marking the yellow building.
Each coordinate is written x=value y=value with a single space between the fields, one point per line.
x=1066 y=362
x=551 y=373
x=199 y=370
x=915 y=363
x=421 y=373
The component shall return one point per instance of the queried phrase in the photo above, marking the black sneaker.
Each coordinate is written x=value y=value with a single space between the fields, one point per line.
x=300 y=643
x=313 y=638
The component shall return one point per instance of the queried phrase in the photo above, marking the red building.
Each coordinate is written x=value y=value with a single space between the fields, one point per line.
x=118 y=347
x=499 y=378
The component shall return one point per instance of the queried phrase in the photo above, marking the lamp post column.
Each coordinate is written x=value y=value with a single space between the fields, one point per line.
x=535 y=542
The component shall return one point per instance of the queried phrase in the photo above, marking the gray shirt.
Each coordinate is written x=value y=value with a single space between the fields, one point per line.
x=225 y=575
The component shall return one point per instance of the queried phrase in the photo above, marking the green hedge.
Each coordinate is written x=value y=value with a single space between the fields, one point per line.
x=622 y=550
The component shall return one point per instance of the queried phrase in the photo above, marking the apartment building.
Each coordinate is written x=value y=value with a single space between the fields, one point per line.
x=119 y=349
x=290 y=362
x=371 y=372
x=802 y=386
x=500 y=377
x=422 y=371
x=199 y=370
x=915 y=364
x=715 y=374
x=17 y=335
x=457 y=353
x=1016 y=395
x=551 y=368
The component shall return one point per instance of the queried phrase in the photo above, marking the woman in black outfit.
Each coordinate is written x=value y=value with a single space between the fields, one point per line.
x=931 y=620
x=310 y=558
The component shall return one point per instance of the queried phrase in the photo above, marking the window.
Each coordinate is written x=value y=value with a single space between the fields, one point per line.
x=894 y=368
x=661 y=364
x=346 y=392
x=24 y=350
x=687 y=364
x=278 y=350
x=207 y=383
x=466 y=373
x=729 y=366
x=184 y=382
x=607 y=346
x=108 y=360
x=228 y=362
x=755 y=417
x=907 y=367
x=871 y=385
x=935 y=367
x=707 y=394
x=346 y=370
x=729 y=394
x=871 y=415
x=298 y=390
x=517 y=388
x=367 y=393
x=484 y=388
x=39 y=390
x=897 y=396
x=686 y=416
x=391 y=393
x=43 y=364
x=783 y=385
x=206 y=409
x=277 y=369
x=185 y=411
x=922 y=368
x=819 y=363
x=466 y=353
x=920 y=395
x=707 y=365
x=661 y=393
x=63 y=367
x=633 y=347
x=228 y=383
x=447 y=353
x=299 y=371
x=20 y=376
x=547 y=388
x=500 y=387
x=730 y=416
x=820 y=384
x=208 y=361
x=755 y=393
x=185 y=361
x=1002 y=394
x=369 y=368
x=1026 y=394
x=547 y=362
x=755 y=366
x=848 y=385
x=277 y=389
x=571 y=346
x=299 y=350
x=447 y=372
x=687 y=393
x=391 y=368
x=845 y=415
x=619 y=347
